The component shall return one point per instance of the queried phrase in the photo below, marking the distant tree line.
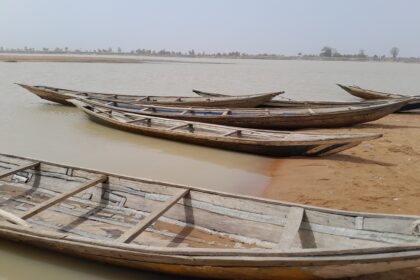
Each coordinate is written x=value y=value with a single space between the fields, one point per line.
x=145 y=52
x=327 y=53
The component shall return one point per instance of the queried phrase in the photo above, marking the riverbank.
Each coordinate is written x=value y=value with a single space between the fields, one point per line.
x=132 y=58
x=381 y=176
x=66 y=58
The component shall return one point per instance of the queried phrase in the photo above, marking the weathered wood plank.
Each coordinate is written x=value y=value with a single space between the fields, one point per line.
x=63 y=196
x=146 y=222
x=230 y=133
x=142 y=99
x=138 y=120
x=189 y=125
x=294 y=220
x=317 y=149
x=13 y=218
x=19 y=168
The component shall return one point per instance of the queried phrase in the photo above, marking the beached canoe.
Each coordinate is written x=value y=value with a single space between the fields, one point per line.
x=183 y=230
x=289 y=103
x=271 y=143
x=368 y=94
x=274 y=118
x=59 y=95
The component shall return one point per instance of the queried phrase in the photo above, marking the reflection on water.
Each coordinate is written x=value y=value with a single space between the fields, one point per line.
x=20 y=262
x=35 y=128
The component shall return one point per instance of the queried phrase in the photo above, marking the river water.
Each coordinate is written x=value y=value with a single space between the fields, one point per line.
x=35 y=128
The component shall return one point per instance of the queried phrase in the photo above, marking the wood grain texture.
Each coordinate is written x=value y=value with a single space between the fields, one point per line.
x=18 y=168
x=128 y=236
x=291 y=229
x=207 y=233
x=273 y=143
x=63 y=196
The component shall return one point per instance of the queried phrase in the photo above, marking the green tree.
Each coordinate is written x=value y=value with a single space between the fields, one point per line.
x=327 y=51
x=394 y=52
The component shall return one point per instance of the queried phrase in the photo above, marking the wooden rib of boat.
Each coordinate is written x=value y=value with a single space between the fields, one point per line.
x=288 y=103
x=271 y=143
x=377 y=95
x=183 y=230
x=59 y=95
x=277 y=118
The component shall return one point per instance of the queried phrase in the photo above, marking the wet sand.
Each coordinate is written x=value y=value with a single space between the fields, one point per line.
x=381 y=176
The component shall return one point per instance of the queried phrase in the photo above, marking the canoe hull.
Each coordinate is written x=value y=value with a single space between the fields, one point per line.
x=368 y=95
x=230 y=102
x=267 y=150
x=376 y=95
x=49 y=95
x=290 y=270
x=285 y=120
x=219 y=235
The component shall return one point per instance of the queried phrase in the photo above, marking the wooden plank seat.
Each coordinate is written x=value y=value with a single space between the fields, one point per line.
x=146 y=98
x=131 y=234
x=54 y=200
x=138 y=120
x=18 y=168
x=189 y=125
x=227 y=112
x=230 y=133
x=189 y=110
x=13 y=218
x=291 y=229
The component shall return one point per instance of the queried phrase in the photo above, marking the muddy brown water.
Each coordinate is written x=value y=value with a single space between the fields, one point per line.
x=36 y=128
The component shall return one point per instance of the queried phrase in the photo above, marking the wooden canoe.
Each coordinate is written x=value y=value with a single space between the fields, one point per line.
x=289 y=103
x=275 y=118
x=184 y=230
x=59 y=95
x=368 y=94
x=271 y=143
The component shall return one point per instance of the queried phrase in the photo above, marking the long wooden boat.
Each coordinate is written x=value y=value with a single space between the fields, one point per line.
x=377 y=95
x=289 y=103
x=59 y=95
x=184 y=230
x=271 y=143
x=277 y=118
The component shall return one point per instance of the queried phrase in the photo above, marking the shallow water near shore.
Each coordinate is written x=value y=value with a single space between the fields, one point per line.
x=32 y=127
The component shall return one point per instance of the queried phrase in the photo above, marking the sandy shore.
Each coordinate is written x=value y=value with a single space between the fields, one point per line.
x=381 y=176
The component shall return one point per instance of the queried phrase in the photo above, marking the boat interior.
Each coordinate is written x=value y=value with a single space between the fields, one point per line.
x=114 y=208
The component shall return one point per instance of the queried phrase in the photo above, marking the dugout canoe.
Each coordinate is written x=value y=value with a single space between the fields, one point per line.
x=266 y=118
x=262 y=142
x=289 y=103
x=61 y=96
x=368 y=94
x=188 y=231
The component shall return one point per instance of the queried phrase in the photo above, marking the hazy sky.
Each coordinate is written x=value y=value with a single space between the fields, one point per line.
x=282 y=27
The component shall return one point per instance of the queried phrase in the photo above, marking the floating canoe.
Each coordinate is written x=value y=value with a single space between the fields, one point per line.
x=183 y=230
x=271 y=143
x=61 y=96
x=289 y=103
x=377 y=95
x=275 y=118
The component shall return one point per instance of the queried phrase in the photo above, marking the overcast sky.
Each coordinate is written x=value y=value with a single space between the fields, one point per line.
x=264 y=26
